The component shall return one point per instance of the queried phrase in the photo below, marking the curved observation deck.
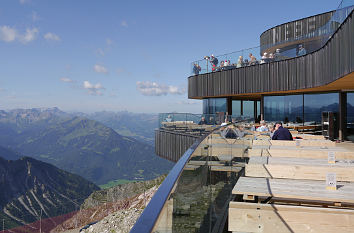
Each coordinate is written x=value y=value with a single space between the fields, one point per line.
x=291 y=33
x=327 y=69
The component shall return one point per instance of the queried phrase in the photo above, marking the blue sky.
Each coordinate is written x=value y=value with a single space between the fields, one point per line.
x=124 y=55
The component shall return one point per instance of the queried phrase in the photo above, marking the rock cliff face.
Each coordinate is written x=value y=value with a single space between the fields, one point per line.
x=31 y=189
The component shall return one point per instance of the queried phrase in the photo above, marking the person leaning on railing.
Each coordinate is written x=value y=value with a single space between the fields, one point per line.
x=196 y=69
x=240 y=62
x=253 y=59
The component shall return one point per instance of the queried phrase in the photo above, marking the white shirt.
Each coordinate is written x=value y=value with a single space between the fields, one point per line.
x=263 y=128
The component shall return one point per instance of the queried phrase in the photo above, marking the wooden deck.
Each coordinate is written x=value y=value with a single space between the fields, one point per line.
x=285 y=189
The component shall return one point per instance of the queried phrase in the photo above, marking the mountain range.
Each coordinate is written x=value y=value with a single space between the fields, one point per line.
x=139 y=126
x=31 y=189
x=79 y=145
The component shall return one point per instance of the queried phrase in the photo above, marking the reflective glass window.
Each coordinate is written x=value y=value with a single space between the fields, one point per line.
x=236 y=107
x=248 y=108
x=284 y=108
x=315 y=104
x=214 y=105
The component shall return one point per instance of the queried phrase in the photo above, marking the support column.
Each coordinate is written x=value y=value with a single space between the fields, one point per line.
x=241 y=107
x=255 y=113
x=262 y=108
x=229 y=106
x=342 y=126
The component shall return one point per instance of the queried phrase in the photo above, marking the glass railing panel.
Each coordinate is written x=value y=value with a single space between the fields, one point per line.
x=199 y=199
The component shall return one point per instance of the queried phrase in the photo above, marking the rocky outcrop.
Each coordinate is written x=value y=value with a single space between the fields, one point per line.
x=116 y=216
x=31 y=189
x=120 y=192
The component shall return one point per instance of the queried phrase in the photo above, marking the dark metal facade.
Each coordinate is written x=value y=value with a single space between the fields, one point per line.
x=333 y=61
x=172 y=145
x=293 y=30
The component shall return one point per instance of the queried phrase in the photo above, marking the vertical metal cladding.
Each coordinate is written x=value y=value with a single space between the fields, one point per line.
x=172 y=145
x=333 y=61
x=292 y=30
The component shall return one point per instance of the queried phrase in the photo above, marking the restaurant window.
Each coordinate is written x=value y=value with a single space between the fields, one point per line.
x=214 y=105
x=287 y=108
x=248 y=108
x=236 y=107
x=315 y=104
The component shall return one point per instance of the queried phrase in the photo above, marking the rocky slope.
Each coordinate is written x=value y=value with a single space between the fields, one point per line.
x=119 y=214
x=31 y=189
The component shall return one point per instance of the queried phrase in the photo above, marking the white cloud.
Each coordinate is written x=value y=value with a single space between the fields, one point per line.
x=7 y=33
x=66 y=80
x=155 y=89
x=51 y=36
x=93 y=89
x=29 y=36
x=124 y=24
x=100 y=69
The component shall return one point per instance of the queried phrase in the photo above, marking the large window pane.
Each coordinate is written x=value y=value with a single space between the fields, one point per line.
x=284 y=108
x=236 y=107
x=350 y=116
x=214 y=105
x=315 y=104
x=248 y=108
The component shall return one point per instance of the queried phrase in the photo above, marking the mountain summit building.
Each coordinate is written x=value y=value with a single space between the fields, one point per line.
x=301 y=74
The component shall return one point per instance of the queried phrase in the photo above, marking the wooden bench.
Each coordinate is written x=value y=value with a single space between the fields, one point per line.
x=295 y=189
x=301 y=143
x=299 y=168
x=254 y=217
x=305 y=152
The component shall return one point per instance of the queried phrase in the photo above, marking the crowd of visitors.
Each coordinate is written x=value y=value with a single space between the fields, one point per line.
x=252 y=60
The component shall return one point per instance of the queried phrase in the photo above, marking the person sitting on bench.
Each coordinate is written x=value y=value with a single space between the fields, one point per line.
x=281 y=133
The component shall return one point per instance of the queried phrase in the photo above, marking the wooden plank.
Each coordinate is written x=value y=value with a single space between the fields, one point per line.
x=309 y=136
x=215 y=168
x=326 y=143
x=304 y=153
x=214 y=163
x=294 y=189
x=299 y=168
x=220 y=152
x=254 y=217
x=261 y=143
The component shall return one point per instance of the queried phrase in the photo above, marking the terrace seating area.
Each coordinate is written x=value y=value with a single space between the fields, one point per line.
x=263 y=185
x=286 y=187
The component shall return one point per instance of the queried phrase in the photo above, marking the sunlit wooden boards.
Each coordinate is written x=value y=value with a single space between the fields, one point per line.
x=190 y=167
x=299 y=168
x=295 y=143
x=318 y=153
x=254 y=217
x=309 y=136
x=295 y=189
x=223 y=153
